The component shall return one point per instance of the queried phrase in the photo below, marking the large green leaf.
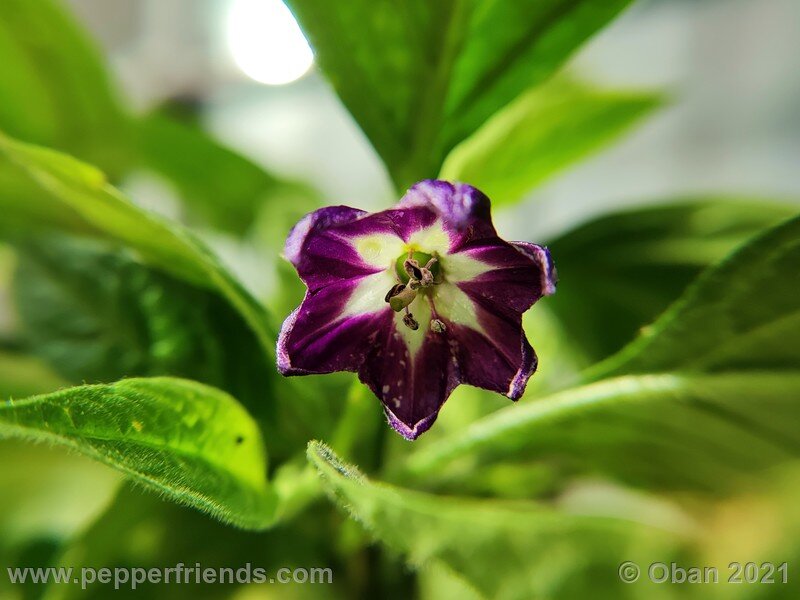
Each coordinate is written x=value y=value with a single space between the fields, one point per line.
x=81 y=193
x=666 y=431
x=620 y=271
x=741 y=315
x=54 y=89
x=420 y=77
x=505 y=550
x=541 y=133
x=97 y=315
x=705 y=398
x=190 y=442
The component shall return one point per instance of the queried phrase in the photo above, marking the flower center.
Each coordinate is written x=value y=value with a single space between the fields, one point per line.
x=417 y=273
x=421 y=258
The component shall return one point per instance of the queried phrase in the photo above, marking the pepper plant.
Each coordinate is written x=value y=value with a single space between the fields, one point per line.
x=149 y=415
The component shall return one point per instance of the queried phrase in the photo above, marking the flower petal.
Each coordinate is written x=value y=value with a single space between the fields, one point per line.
x=338 y=242
x=541 y=256
x=501 y=361
x=464 y=210
x=486 y=338
x=319 y=254
x=499 y=282
x=412 y=387
x=517 y=276
x=320 y=336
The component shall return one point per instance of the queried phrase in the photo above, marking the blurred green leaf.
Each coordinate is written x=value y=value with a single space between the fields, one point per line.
x=665 y=431
x=439 y=581
x=142 y=530
x=617 y=273
x=22 y=375
x=97 y=315
x=23 y=210
x=741 y=315
x=711 y=399
x=190 y=442
x=67 y=492
x=68 y=183
x=54 y=89
x=86 y=311
x=225 y=188
x=505 y=550
x=420 y=77
x=38 y=514
x=539 y=134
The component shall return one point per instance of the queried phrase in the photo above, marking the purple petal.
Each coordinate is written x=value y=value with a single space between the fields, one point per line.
x=320 y=256
x=522 y=273
x=412 y=390
x=315 y=338
x=501 y=360
x=317 y=221
x=541 y=256
x=464 y=210
x=320 y=245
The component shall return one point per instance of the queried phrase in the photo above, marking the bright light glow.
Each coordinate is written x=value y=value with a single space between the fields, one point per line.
x=266 y=42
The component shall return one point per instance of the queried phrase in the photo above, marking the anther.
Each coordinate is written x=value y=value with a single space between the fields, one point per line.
x=438 y=326
x=412 y=269
x=410 y=321
x=402 y=298
x=396 y=289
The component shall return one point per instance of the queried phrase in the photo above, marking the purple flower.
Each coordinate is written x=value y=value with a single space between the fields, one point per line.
x=416 y=299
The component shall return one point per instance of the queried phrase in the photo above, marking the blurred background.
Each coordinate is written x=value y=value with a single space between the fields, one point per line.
x=731 y=67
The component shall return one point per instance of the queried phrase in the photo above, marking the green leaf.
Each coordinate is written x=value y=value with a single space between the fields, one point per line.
x=54 y=89
x=142 y=530
x=420 y=77
x=85 y=311
x=223 y=187
x=192 y=443
x=505 y=550
x=82 y=191
x=619 y=272
x=539 y=134
x=661 y=431
x=705 y=399
x=741 y=315
x=97 y=315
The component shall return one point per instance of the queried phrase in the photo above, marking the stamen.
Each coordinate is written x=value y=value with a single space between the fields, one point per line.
x=438 y=326
x=427 y=278
x=402 y=298
x=410 y=321
x=409 y=267
x=396 y=289
x=413 y=270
